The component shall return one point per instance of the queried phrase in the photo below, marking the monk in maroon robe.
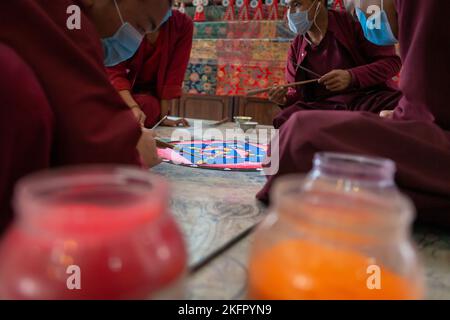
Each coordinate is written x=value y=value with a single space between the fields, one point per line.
x=357 y=75
x=418 y=136
x=150 y=80
x=57 y=106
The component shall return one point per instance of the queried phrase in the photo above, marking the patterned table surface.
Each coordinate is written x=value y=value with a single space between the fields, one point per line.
x=213 y=207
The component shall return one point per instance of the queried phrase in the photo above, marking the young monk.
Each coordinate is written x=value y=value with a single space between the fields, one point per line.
x=416 y=137
x=355 y=74
x=150 y=80
x=57 y=106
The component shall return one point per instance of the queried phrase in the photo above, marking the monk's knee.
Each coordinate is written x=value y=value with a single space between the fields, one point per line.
x=314 y=121
x=147 y=101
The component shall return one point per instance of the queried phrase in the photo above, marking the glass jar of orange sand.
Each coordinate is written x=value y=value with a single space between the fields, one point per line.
x=343 y=232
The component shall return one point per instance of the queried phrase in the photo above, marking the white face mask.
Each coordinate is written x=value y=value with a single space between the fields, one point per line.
x=299 y=22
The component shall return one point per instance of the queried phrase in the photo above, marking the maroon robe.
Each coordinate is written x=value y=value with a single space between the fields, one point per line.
x=420 y=147
x=425 y=85
x=343 y=47
x=157 y=71
x=57 y=106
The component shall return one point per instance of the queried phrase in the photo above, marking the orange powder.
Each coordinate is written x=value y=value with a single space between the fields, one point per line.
x=301 y=270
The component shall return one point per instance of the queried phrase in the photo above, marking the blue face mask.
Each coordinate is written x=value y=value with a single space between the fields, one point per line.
x=125 y=42
x=122 y=45
x=166 y=18
x=382 y=36
x=299 y=22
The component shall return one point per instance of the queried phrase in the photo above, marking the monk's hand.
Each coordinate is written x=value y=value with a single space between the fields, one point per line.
x=387 y=114
x=176 y=123
x=336 y=80
x=139 y=114
x=147 y=148
x=278 y=95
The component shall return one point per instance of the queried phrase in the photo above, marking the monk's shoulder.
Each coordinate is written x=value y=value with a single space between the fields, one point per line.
x=19 y=86
x=15 y=70
x=182 y=20
x=345 y=22
x=298 y=41
x=10 y=60
x=342 y=17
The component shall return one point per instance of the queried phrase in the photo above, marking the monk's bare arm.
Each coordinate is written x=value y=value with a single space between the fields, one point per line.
x=127 y=97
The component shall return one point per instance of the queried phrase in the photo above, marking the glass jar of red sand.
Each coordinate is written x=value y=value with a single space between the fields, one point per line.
x=92 y=233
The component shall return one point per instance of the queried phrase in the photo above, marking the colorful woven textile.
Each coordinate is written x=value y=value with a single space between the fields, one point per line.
x=204 y=49
x=235 y=79
x=233 y=57
x=201 y=77
x=242 y=30
x=211 y=30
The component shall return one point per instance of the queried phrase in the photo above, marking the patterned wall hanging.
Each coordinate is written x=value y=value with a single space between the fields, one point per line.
x=273 y=9
x=243 y=6
x=200 y=9
x=340 y=4
x=257 y=5
x=229 y=13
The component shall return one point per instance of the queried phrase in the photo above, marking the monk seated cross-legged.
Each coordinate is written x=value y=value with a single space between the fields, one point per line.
x=354 y=74
x=416 y=135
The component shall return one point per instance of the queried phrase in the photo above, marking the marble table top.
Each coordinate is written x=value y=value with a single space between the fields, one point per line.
x=213 y=207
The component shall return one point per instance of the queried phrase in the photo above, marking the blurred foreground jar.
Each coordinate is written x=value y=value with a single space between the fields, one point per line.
x=91 y=233
x=343 y=232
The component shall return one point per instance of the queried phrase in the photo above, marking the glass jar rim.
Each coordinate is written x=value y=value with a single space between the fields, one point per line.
x=380 y=170
x=373 y=160
x=39 y=191
x=291 y=203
